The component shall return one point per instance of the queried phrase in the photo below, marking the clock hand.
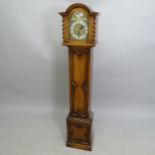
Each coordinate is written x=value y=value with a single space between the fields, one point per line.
x=80 y=29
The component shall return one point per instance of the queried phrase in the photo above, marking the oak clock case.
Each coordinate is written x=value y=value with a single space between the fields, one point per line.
x=79 y=37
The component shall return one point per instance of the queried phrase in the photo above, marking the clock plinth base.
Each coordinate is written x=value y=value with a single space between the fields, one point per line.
x=79 y=146
x=79 y=132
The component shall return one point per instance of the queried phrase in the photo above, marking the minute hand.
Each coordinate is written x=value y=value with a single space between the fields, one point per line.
x=81 y=27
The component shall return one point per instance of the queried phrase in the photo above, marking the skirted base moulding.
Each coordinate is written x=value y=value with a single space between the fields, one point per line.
x=79 y=132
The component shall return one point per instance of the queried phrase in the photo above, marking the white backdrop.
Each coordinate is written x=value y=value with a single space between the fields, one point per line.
x=34 y=78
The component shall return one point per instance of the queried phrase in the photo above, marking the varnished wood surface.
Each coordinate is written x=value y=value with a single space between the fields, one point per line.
x=79 y=121
x=79 y=64
x=79 y=132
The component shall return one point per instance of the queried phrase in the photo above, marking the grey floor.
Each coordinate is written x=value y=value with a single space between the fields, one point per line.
x=35 y=127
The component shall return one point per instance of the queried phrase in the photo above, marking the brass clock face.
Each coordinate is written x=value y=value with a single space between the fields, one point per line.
x=78 y=26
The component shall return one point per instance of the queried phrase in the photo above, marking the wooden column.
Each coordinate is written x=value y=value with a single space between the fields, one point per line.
x=79 y=119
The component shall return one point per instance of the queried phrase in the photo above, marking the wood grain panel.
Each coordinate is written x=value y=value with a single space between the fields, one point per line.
x=79 y=79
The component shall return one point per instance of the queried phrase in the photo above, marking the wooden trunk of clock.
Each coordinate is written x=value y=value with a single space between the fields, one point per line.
x=79 y=120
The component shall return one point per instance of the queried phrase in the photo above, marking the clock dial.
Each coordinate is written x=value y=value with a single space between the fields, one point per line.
x=79 y=26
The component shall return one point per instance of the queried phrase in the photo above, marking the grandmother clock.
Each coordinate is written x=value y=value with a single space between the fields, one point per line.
x=79 y=36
